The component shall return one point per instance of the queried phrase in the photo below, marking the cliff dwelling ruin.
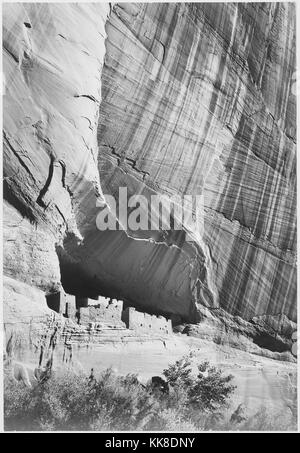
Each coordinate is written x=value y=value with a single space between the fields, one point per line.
x=164 y=101
x=107 y=312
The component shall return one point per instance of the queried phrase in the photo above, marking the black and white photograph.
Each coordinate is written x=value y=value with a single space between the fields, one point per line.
x=149 y=219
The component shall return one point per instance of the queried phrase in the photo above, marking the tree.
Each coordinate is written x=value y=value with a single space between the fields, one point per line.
x=209 y=390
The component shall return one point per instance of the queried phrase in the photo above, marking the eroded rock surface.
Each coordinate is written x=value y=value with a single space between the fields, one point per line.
x=171 y=99
x=52 y=58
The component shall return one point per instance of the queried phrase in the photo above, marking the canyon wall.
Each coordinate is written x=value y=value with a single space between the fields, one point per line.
x=170 y=99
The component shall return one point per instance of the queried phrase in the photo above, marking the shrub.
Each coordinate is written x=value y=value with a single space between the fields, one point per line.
x=67 y=401
x=71 y=402
x=171 y=420
x=209 y=390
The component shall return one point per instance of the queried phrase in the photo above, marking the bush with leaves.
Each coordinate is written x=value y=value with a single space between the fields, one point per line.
x=67 y=401
x=71 y=402
x=209 y=390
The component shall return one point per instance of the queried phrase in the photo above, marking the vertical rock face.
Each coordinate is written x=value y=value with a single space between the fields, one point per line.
x=180 y=99
x=52 y=62
x=198 y=99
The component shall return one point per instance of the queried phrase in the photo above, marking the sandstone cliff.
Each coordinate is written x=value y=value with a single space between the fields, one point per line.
x=160 y=98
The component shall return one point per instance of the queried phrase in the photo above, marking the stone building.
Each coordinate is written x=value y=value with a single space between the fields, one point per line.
x=106 y=311
x=62 y=303
x=70 y=311
x=145 y=323
x=109 y=312
x=57 y=302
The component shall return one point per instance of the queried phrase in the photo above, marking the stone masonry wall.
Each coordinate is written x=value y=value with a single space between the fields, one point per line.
x=106 y=311
x=62 y=303
x=145 y=323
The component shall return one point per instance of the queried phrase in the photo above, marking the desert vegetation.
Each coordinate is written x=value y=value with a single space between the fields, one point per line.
x=184 y=400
